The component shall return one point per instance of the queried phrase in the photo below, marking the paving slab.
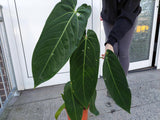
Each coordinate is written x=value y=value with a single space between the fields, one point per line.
x=143 y=112
x=42 y=103
x=39 y=94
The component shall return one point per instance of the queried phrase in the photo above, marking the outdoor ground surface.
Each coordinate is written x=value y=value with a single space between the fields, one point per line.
x=41 y=104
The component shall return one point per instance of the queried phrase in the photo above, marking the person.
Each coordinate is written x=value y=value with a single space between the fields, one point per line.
x=119 y=21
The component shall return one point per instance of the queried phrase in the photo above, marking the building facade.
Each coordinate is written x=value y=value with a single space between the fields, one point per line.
x=24 y=21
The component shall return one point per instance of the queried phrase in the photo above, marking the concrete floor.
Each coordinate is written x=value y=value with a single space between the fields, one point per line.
x=42 y=103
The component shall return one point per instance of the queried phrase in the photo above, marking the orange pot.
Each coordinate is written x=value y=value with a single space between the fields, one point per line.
x=84 y=116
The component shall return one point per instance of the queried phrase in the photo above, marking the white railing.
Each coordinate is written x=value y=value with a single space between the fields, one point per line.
x=7 y=79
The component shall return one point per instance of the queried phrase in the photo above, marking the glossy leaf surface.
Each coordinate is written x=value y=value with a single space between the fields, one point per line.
x=61 y=34
x=73 y=107
x=84 y=64
x=116 y=81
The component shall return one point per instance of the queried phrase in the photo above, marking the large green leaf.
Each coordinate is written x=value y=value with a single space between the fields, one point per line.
x=73 y=107
x=61 y=34
x=84 y=64
x=116 y=81
x=92 y=106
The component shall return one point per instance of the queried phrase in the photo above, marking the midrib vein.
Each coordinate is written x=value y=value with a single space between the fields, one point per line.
x=114 y=80
x=84 y=62
x=57 y=44
x=74 y=104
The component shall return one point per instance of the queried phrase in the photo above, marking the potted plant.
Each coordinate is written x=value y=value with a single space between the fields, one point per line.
x=64 y=37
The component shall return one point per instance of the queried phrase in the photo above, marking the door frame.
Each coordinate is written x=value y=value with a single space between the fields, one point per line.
x=148 y=63
x=157 y=63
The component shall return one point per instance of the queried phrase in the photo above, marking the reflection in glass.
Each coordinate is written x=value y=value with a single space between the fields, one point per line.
x=140 y=45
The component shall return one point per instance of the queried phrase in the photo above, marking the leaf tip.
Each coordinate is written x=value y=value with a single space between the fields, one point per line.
x=129 y=111
x=35 y=83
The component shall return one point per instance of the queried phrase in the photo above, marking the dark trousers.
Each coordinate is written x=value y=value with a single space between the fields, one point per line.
x=121 y=48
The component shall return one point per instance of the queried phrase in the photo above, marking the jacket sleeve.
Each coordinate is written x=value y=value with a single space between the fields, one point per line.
x=124 y=21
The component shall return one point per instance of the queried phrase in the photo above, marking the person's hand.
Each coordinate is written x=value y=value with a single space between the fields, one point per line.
x=108 y=46
x=101 y=19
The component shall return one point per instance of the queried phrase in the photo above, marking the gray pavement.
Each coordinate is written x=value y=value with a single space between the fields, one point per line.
x=42 y=103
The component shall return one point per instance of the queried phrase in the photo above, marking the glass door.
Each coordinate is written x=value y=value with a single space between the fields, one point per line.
x=141 y=49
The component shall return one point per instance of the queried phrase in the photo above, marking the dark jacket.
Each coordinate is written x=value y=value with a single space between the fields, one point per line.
x=121 y=15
